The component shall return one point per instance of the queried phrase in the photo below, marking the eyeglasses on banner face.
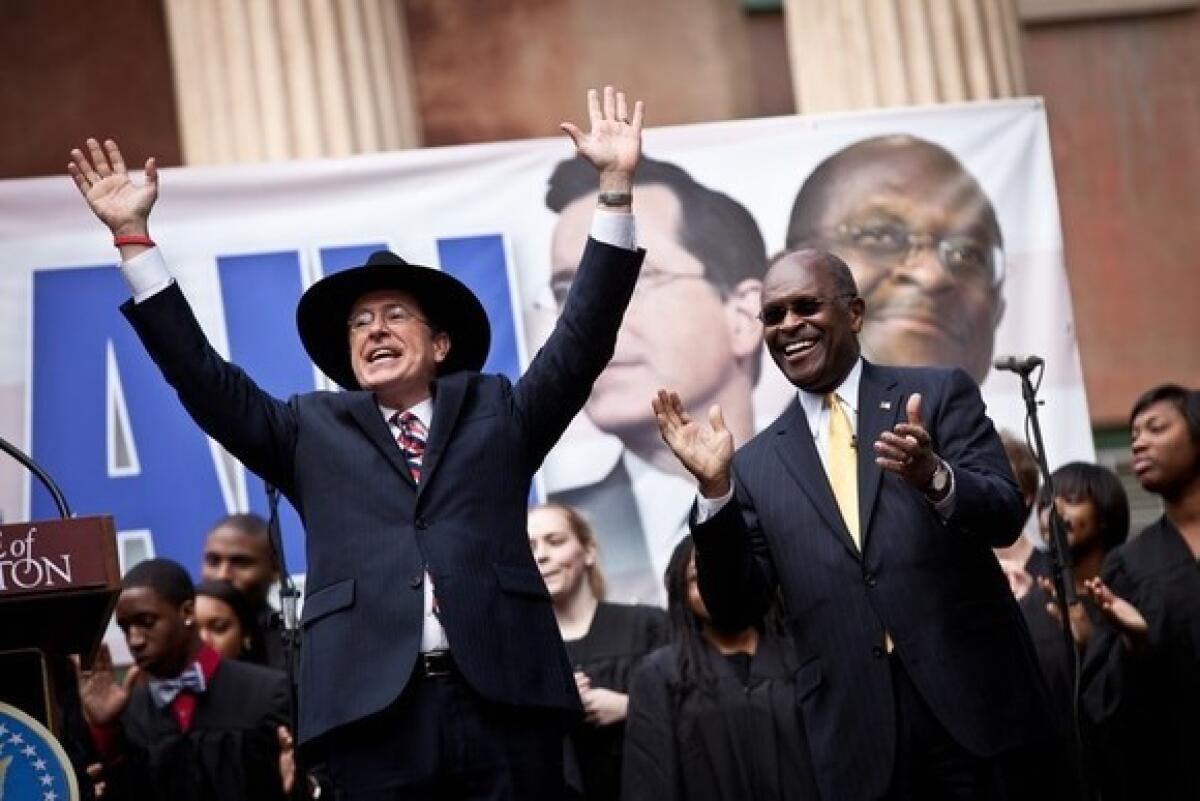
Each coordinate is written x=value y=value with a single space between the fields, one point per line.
x=965 y=257
x=649 y=280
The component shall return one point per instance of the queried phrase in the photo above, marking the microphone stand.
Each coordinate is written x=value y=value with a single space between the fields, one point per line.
x=1062 y=576
x=64 y=511
x=288 y=600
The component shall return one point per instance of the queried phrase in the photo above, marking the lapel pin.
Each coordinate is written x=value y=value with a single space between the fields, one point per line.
x=885 y=405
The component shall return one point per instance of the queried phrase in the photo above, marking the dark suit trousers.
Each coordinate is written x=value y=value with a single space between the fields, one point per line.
x=931 y=766
x=441 y=741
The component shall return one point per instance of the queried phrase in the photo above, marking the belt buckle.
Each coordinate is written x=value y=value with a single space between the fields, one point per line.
x=435 y=664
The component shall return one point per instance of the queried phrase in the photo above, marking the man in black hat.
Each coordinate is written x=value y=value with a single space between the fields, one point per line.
x=432 y=664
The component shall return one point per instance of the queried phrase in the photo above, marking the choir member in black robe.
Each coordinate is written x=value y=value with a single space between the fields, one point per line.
x=1149 y=694
x=714 y=715
x=199 y=727
x=1095 y=513
x=604 y=641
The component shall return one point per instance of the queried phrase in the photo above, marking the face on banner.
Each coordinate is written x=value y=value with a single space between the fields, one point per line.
x=923 y=242
x=677 y=310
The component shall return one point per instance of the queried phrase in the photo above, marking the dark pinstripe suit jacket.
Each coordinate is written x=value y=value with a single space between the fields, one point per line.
x=371 y=531
x=934 y=585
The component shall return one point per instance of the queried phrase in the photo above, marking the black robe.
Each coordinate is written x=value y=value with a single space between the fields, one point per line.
x=1103 y=765
x=619 y=637
x=1150 y=702
x=746 y=743
x=229 y=753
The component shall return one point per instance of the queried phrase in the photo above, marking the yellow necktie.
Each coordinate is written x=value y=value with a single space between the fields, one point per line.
x=842 y=464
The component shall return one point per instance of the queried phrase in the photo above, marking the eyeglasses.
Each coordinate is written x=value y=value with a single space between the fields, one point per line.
x=648 y=281
x=393 y=315
x=773 y=314
x=963 y=256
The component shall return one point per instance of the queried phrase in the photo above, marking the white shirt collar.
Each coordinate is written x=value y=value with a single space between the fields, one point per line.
x=813 y=403
x=423 y=411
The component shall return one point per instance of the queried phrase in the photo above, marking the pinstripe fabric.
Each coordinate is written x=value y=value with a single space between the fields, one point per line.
x=934 y=585
x=371 y=530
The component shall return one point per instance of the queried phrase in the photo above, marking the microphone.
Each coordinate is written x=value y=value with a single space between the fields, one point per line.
x=1021 y=365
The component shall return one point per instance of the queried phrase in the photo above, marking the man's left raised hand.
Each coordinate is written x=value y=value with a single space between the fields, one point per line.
x=614 y=144
x=907 y=449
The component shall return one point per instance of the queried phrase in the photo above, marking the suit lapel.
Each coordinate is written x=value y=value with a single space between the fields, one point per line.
x=448 y=396
x=366 y=413
x=879 y=404
x=798 y=452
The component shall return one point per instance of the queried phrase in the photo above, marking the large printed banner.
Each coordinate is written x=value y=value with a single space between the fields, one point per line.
x=947 y=216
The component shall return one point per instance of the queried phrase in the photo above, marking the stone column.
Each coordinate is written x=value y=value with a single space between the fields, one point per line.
x=849 y=54
x=268 y=80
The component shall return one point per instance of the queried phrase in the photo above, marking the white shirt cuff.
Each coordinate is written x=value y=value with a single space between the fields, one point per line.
x=616 y=228
x=146 y=274
x=707 y=508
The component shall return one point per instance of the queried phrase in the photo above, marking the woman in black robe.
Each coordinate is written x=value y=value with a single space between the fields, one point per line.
x=1148 y=696
x=604 y=641
x=1095 y=512
x=713 y=716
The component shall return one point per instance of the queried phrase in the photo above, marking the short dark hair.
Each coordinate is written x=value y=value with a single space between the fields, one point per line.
x=843 y=277
x=248 y=523
x=714 y=227
x=224 y=591
x=1187 y=401
x=165 y=578
x=821 y=185
x=1082 y=481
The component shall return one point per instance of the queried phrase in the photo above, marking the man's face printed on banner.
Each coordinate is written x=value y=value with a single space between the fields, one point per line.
x=924 y=246
x=678 y=332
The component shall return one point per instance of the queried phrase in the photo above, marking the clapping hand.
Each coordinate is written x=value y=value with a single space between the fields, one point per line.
x=907 y=450
x=706 y=451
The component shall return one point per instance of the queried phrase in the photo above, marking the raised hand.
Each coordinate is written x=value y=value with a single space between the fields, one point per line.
x=706 y=451
x=614 y=144
x=1122 y=615
x=907 y=449
x=103 y=699
x=105 y=184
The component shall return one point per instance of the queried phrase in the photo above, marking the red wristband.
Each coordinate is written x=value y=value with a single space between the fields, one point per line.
x=133 y=239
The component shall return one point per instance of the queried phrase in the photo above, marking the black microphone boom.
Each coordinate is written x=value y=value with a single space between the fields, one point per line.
x=1021 y=365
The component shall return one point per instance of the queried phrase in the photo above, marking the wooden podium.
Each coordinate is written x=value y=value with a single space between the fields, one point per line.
x=59 y=581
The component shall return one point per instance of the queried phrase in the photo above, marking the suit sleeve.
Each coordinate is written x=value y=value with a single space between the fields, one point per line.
x=987 y=501
x=560 y=377
x=733 y=563
x=650 y=766
x=257 y=428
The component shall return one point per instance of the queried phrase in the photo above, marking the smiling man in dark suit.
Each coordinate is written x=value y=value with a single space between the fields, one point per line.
x=917 y=677
x=432 y=664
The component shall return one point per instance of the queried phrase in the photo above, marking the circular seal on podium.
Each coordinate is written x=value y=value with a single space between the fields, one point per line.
x=33 y=765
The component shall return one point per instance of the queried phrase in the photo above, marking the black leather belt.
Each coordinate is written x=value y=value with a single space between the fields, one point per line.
x=433 y=664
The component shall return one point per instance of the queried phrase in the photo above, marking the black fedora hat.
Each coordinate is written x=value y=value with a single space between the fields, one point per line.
x=324 y=309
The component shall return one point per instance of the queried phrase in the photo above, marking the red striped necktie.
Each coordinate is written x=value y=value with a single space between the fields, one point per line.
x=411 y=440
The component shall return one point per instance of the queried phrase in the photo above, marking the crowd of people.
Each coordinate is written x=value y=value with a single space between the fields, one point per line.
x=852 y=609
